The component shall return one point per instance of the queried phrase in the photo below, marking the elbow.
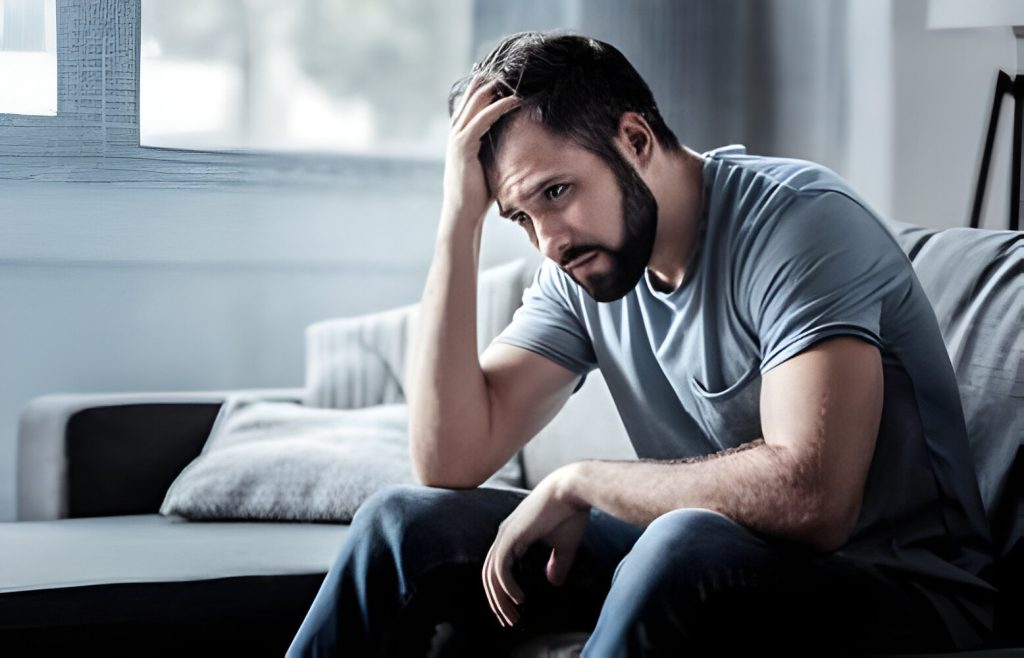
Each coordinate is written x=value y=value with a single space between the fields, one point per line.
x=435 y=477
x=431 y=468
x=832 y=527
x=443 y=480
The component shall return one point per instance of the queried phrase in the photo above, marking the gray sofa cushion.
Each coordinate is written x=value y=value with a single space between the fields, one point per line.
x=107 y=586
x=974 y=279
x=587 y=427
x=360 y=361
x=282 y=461
x=147 y=548
x=285 y=462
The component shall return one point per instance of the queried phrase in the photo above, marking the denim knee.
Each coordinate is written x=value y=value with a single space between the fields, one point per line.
x=418 y=527
x=681 y=559
x=679 y=550
x=399 y=534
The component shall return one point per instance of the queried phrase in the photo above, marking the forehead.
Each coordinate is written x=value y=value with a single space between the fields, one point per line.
x=527 y=154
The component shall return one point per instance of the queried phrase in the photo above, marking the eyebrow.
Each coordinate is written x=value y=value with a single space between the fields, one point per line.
x=510 y=211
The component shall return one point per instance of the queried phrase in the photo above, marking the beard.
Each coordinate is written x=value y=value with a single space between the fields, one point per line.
x=629 y=261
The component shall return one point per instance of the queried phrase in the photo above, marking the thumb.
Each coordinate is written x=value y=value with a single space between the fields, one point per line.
x=559 y=564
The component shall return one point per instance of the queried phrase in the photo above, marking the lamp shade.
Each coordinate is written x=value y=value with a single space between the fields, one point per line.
x=944 y=14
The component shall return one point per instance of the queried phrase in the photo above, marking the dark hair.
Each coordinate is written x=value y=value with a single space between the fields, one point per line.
x=575 y=86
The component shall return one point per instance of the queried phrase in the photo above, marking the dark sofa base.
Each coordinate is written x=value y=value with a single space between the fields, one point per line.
x=242 y=616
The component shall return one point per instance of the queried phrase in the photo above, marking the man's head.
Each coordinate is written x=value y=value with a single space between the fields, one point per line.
x=583 y=105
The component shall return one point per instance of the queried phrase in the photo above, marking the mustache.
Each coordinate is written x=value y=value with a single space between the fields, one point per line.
x=575 y=252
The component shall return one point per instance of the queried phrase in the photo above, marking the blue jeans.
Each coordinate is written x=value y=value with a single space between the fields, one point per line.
x=692 y=581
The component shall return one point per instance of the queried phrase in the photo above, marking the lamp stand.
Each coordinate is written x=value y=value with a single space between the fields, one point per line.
x=1014 y=87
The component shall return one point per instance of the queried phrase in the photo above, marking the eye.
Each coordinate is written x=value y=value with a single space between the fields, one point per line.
x=523 y=220
x=553 y=194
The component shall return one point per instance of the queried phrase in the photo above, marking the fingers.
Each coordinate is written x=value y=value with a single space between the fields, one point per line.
x=558 y=565
x=490 y=589
x=501 y=589
x=467 y=96
x=509 y=586
x=484 y=119
x=565 y=542
x=479 y=110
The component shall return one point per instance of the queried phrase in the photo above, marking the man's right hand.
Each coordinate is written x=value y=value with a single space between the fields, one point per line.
x=466 y=194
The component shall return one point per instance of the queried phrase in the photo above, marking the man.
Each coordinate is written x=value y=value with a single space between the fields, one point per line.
x=804 y=478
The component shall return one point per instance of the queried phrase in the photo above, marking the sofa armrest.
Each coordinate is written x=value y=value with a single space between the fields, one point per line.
x=105 y=454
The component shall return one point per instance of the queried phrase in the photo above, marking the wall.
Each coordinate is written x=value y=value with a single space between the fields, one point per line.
x=919 y=105
x=130 y=269
x=110 y=288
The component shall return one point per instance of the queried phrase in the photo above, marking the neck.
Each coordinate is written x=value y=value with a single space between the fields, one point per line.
x=680 y=193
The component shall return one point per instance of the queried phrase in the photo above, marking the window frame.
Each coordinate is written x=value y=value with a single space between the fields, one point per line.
x=94 y=137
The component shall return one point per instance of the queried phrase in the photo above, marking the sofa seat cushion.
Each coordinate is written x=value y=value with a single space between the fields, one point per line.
x=108 y=585
x=149 y=548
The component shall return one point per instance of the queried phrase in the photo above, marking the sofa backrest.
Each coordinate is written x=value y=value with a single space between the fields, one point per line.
x=974 y=279
x=360 y=361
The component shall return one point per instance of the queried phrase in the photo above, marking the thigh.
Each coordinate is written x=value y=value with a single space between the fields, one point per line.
x=851 y=607
x=421 y=527
x=696 y=580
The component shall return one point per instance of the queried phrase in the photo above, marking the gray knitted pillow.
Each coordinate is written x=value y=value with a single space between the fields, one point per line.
x=281 y=461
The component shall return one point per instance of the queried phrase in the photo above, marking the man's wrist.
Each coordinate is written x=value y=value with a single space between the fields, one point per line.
x=460 y=217
x=458 y=230
x=568 y=484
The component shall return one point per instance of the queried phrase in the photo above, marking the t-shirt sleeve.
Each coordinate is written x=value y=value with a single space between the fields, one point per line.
x=547 y=323
x=820 y=267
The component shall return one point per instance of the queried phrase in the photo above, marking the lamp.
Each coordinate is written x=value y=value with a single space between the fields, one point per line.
x=945 y=14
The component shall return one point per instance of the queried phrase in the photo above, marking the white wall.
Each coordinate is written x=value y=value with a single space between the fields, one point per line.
x=919 y=106
x=107 y=288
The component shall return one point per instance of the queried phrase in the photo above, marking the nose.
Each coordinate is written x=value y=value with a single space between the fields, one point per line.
x=554 y=236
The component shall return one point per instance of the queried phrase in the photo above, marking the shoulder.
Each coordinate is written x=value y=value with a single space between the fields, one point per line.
x=751 y=188
x=812 y=232
x=789 y=199
x=735 y=167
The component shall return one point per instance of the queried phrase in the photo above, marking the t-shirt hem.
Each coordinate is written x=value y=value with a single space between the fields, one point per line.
x=802 y=342
x=548 y=354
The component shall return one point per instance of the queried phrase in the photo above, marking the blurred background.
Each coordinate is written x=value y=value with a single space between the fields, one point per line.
x=186 y=184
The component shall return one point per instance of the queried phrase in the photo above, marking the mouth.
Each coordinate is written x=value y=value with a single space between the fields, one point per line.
x=581 y=260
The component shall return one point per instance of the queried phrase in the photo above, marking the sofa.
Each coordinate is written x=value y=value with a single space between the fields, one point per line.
x=91 y=565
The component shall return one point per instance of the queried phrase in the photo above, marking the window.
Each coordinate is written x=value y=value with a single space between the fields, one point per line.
x=354 y=76
x=28 y=57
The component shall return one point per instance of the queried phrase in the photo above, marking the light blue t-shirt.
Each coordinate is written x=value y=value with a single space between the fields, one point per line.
x=788 y=255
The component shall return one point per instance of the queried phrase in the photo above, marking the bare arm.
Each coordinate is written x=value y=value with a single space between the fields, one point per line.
x=470 y=414
x=804 y=480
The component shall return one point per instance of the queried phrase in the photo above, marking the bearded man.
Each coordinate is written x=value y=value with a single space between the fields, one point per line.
x=804 y=478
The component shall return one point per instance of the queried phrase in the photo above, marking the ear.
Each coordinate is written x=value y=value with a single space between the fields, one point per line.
x=635 y=139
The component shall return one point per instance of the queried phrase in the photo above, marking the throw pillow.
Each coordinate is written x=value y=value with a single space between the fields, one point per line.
x=281 y=461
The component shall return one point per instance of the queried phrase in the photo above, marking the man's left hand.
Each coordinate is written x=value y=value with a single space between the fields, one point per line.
x=544 y=515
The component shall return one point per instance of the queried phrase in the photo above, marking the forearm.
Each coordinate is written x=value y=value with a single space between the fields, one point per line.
x=449 y=399
x=757 y=485
x=448 y=402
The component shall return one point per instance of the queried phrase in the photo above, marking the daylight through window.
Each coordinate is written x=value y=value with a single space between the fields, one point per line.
x=28 y=57
x=354 y=76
